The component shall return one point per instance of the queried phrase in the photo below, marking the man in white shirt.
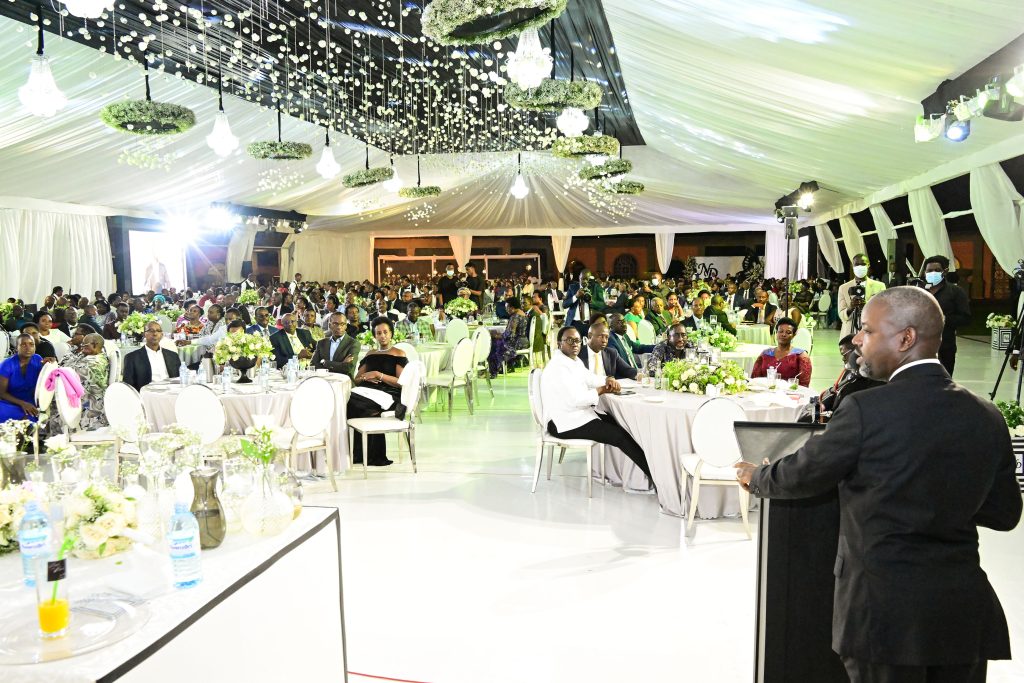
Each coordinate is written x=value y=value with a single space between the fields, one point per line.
x=295 y=284
x=151 y=363
x=569 y=395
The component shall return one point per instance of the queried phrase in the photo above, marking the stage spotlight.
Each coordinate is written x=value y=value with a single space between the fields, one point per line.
x=958 y=131
x=926 y=130
x=805 y=201
x=220 y=219
x=184 y=227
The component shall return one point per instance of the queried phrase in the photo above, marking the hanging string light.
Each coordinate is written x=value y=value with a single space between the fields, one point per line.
x=40 y=94
x=88 y=9
x=395 y=184
x=327 y=167
x=519 y=188
x=530 y=63
x=221 y=140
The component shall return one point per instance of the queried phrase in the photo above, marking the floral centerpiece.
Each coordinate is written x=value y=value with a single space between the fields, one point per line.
x=267 y=510
x=994 y=321
x=172 y=313
x=135 y=323
x=366 y=337
x=12 y=509
x=249 y=297
x=696 y=287
x=1014 y=416
x=6 y=310
x=14 y=436
x=795 y=287
x=694 y=378
x=241 y=351
x=720 y=339
x=460 y=307
x=97 y=517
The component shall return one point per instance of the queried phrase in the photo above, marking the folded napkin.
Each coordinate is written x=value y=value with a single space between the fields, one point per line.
x=72 y=385
x=383 y=399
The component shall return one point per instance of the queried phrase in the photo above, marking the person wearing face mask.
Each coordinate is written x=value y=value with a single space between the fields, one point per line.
x=448 y=284
x=955 y=305
x=851 y=303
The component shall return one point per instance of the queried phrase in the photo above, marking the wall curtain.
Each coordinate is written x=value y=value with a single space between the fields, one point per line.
x=39 y=250
x=883 y=227
x=560 y=245
x=326 y=256
x=239 y=251
x=929 y=226
x=775 y=252
x=853 y=240
x=665 y=242
x=997 y=210
x=829 y=247
x=462 y=246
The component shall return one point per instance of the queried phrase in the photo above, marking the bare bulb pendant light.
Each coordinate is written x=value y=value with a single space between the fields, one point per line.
x=519 y=188
x=221 y=140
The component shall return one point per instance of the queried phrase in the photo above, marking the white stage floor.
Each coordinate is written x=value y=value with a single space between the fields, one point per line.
x=460 y=575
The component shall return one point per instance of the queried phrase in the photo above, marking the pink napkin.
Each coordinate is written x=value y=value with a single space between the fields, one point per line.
x=72 y=385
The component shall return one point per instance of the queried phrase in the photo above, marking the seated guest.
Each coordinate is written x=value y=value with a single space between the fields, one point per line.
x=402 y=305
x=213 y=331
x=93 y=371
x=673 y=349
x=656 y=316
x=761 y=311
x=381 y=308
x=601 y=360
x=151 y=363
x=338 y=352
x=790 y=362
x=48 y=331
x=309 y=324
x=291 y=342
x=415 y=325
x=331 y=306
x=262 y=323
x=623 y=344
x=355 y=325
x=850 y=381
x=379 y=371
x=515 y=337
x=569 y=396
x=93 y=317
x=18 y=319
x=695 y=321
x=673 y=309
x=110 y=330
x=637 y=311
x=716 y=311
x=43 y=348
x=67 y=321
x=19 y=375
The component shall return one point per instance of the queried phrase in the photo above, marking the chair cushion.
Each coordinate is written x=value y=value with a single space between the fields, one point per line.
x=103 y=434
x=707 y=471
x=568 y=443
x=444 y=379
x=371 y=425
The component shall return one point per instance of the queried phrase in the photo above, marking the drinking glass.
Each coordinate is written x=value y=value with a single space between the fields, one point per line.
x=52 y=604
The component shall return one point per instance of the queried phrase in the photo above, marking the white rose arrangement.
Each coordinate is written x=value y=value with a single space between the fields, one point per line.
x=240 y=345
x=97 y=517
x=135 y=323
x=12 y=509
x=695 y=378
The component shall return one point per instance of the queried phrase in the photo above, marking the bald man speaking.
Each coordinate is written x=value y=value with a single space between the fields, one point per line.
x=920 y=463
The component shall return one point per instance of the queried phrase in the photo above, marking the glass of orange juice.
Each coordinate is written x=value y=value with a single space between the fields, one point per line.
x=52 y=604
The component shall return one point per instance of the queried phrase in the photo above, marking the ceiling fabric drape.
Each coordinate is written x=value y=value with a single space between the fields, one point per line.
x=462 y=247
x=883 y=227
x=324 y=256
x=240 y=250
x=560 y=246
x=664 y=242
x=998 y=213
x=853 y=240
x=829 y=247
x=775 y=252
x=929 y=226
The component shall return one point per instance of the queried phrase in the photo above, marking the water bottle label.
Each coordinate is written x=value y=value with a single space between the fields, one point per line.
x=30 y=544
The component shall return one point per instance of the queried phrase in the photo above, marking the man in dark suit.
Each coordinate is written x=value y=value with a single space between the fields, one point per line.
x=621 y=343
x=596 y=353
x=920 y=463
x=761 y=311
x=151 y=363
x=291 y=342
x=955 y=305
x=695 y=320
x=717 y=311
x=262 y=324
x=337 y=352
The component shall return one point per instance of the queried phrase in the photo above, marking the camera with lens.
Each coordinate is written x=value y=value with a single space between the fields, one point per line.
x=915 y=282
x=1018 y=274
x=586 y=296
x=857 y=291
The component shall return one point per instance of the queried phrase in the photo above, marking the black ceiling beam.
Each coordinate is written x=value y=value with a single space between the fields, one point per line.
x=999 y=64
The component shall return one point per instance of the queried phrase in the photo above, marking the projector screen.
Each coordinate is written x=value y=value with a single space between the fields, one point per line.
x=158 y=261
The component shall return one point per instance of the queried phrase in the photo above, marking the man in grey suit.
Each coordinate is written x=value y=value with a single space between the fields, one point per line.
x=920 y=463
x=337 y=352
x=598 y=358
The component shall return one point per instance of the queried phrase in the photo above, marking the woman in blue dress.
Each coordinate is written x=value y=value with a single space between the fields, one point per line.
x=18 y=377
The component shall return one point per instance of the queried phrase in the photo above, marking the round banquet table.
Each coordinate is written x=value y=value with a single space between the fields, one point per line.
x=433 y=356
x=754 y=334
x=439 y=330
x=663 y=430
x=245 y=400
x=745 y=355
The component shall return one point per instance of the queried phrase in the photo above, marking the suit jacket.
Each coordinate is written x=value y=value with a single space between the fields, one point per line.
x=283 y=347
x=614 y=365
x=956 y=307
x=769 y=314
x=572 y=302
x=615 y=344
x=322 y=359
x=914 y=485
x=722 y=317
x=255 y=329
x=845 y=302
x=137 y=372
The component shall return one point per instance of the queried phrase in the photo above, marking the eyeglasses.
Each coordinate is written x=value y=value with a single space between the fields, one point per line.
x=572 y=341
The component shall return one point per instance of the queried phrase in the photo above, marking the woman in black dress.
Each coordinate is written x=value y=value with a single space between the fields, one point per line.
x=378 y=370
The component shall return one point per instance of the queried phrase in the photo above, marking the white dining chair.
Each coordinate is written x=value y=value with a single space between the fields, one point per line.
x=410 y=351
x=5 y=346
x=199 y=409
x=715 y=451
x=481 y=352
x=545 y=441
x=113 y=354
x=803 y=339
x=824 y=304
x=125 y=413
x=388 y=423
x=458 y=376
x=646 y=333
x=310 y=413
x=166 y=324
x=455 y=331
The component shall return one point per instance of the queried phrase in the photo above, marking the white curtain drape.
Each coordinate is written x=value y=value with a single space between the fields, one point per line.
x=999 y=215
x=883 y=227
x=328 y=256
x=664 y=242
x=829 y=247
x=462 y=247
x=803 y=256
x=853 y=240
x=41 y=250
x=240 y=250
x=929 y=226
x=775 y=252
x=560 y=245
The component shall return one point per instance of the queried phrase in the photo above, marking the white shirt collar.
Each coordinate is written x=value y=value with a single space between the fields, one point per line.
x=923 y=361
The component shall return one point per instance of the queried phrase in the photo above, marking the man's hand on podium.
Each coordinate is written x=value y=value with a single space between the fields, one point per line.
x=745 y=472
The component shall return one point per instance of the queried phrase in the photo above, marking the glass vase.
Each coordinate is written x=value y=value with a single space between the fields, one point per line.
x=268 y=510
x=12 y=469
x=207 y=508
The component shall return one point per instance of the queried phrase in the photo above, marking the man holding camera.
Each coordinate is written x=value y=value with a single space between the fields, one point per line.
x=955 y=305
x=855 y=293
x=581 y=299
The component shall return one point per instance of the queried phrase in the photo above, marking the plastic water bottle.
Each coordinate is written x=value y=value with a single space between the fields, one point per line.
x=265 y=378
x=657 y=378
x=183 y=543
x=201 y=376
x=33 y=539
x=225 y=380
x=183 y=377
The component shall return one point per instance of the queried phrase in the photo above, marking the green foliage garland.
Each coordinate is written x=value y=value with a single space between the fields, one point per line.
x=281 y=151
x=145 y=117
x=552 y=95
x=368 y=176
x=442 y=18
x=419 y=192
x=581 y=146
x=609 y=169
x=624 y=187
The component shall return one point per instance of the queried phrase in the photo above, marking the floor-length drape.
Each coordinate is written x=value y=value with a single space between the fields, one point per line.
x=998 y=213
x=326 y=256
x=39 y=250
x=664 y=242
x=560 y=246
x=775 y=252
x=853 y=240
x=883 y=227
x=929 y=226
x=239 y=250
x=462 y=247
x=829 y=247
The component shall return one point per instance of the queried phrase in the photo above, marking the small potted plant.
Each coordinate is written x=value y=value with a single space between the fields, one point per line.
x=1014 y=416
x=1002 y=330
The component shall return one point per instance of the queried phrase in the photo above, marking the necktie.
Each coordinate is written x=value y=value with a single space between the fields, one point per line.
x=629 y=351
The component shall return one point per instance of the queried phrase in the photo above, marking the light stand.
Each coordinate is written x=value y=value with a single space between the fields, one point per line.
x=1016 y=344
x=789 y=214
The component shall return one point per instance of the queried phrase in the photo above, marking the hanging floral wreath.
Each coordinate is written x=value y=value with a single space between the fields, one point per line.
x=584 y=145
x=552 y=95
x=470 y=22
x=624 y=187
x=368 y=176
x=609 y=169
x=145 y=117
x=419 y=191
x=281 y=151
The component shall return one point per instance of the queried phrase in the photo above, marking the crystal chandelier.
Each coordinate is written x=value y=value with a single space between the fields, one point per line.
x=519 y=188
x=327 y=167
x=572 y=122
x=220 y=139
x=88 y=9
x=530 y=63
x=40 y=94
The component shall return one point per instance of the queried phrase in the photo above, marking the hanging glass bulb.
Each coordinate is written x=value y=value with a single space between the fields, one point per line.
x=88 y=9
x=519 y=188
x=530 y=63
x=40 y=95
x=572 y=122
x=327 y=167
x=220 y=139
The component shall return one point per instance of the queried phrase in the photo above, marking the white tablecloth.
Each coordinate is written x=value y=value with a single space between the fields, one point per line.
x=745 y=355
x=663 y=431
x=754 y=334
x=439 y=330
x=246 y=400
